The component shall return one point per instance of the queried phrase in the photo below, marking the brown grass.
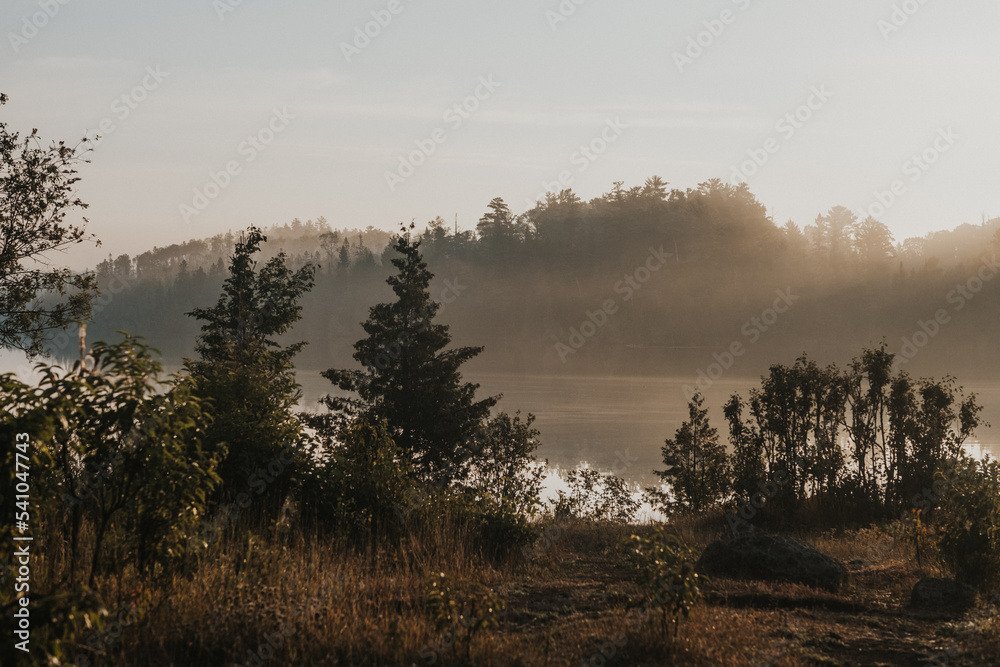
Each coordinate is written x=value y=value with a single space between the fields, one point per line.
x=295 y=600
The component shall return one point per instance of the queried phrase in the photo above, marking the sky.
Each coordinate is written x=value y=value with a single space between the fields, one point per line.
x=218 y=114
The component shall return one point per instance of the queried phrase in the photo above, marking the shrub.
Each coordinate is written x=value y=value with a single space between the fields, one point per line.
x=462 y=611
x=358 y=485
x=504 y=482
x=125 y=459
x=496 y=529
x=970 y=521
x=118 y=479
x=596 y=496
x=504 y=467
x=860 y=441
x=667 y=575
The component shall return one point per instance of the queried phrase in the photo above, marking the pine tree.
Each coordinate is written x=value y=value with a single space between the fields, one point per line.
x=248 y=376
x=698 y=468
x=409 y=378
x=344 y=256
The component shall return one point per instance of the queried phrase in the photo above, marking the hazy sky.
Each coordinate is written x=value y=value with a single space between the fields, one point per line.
x=201 y=77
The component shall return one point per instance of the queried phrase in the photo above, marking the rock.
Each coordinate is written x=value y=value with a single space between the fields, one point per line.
x=757 y=555
x=931 y=593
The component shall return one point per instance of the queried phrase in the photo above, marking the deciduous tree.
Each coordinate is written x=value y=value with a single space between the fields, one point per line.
x=36 y=196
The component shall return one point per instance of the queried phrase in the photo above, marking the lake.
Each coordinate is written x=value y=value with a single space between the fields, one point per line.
x=620 y=423
x=611 y=423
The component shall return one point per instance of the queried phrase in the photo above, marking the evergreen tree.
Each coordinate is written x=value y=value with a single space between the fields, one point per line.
x=499 y=224
x=344 y=255
x=698 y=468
x=409 y=379
x=248 y=376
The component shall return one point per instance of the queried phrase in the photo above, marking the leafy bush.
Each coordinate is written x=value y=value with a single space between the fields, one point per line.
x=504 y=481
x=861 y=441
x=596 y=496
x=356 y=486
x=492 y=528
x=119 y=479
x=504 y=467
x=118 y=455
x=667 y=575
x=930 y=421
x=462 y=611
x=970 y=521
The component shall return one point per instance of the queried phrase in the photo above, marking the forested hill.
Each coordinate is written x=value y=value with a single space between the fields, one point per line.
x=640 y=280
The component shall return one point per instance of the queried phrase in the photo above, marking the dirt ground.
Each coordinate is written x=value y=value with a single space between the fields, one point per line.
x=574 y=607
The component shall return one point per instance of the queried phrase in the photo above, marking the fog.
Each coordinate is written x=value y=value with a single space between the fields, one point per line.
x=604 y=317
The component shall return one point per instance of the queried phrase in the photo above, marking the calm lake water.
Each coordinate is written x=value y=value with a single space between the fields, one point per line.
x=610 y=423
x=620 y=423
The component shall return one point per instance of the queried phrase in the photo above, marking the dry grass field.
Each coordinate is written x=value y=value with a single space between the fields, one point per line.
x=280 y=599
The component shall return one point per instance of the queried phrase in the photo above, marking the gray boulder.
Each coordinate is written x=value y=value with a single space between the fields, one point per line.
x=935 y=594
x=757 y=555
